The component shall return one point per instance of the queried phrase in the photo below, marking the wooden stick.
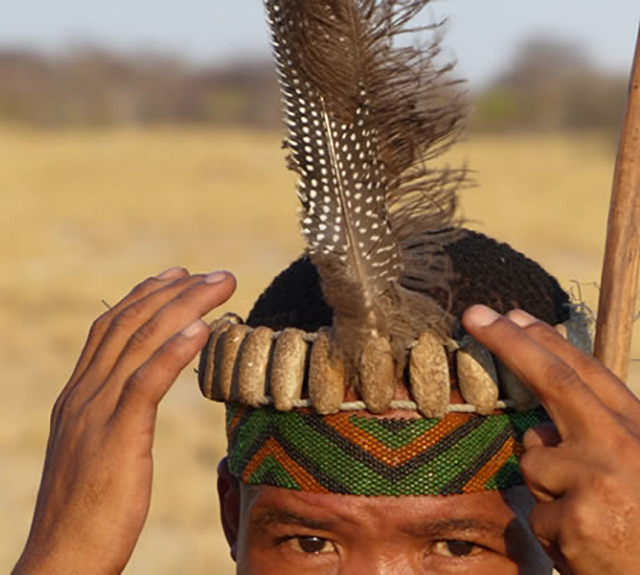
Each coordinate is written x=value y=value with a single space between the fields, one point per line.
x=619 y=288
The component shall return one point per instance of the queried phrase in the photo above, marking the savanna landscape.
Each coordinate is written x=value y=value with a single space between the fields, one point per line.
x=86 y=214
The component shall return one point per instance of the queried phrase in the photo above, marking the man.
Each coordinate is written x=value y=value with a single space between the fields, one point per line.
x=96 y=483
x=366 y=433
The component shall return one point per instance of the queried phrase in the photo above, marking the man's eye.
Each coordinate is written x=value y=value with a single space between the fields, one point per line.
x=313 y=545
x=455 y=548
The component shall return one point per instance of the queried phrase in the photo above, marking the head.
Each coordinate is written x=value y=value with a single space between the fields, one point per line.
x=277 y=530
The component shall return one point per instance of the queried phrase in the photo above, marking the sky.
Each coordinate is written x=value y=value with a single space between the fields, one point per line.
x=483 y=34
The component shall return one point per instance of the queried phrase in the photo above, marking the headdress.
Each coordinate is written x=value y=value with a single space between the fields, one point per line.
x=366 y=117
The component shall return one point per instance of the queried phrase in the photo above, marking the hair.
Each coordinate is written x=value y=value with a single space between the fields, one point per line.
x=484 y=272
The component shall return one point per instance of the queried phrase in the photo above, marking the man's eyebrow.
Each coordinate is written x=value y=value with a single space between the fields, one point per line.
x=447 y=527
x=270 y=517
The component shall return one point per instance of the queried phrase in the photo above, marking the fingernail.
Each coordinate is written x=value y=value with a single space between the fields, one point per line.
x=216 y=277
x=482 y=316
x=522 y=318
x=171 y=273
x=194 y=328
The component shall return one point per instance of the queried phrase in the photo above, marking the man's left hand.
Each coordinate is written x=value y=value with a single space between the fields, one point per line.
x=584 y=471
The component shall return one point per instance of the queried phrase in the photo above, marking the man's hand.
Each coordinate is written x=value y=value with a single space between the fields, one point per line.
x=585 y=470
x=96 y=485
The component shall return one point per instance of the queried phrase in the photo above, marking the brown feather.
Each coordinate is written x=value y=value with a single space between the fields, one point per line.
x=364 y=116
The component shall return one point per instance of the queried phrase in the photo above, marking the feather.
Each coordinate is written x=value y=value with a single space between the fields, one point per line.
x=363 y=117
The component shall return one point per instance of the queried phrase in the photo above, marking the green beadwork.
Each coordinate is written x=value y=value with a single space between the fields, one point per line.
x=356 y=455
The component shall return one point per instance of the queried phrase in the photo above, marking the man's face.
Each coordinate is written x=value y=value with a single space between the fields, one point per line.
x=279 y=531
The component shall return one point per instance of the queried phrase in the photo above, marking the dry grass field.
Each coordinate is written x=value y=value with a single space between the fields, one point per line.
x=86 y=215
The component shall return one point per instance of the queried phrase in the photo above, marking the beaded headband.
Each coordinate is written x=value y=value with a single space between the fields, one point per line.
x=355 y=455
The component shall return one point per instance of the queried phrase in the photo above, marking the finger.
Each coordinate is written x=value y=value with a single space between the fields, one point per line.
x=97 y=332
x=551 y=471
x=102 y=324
x=609 y=389
x=571 y=404
x=545 y=435
x=188 y=306
x=146 y=387
x=122 y=327
x=546 y=520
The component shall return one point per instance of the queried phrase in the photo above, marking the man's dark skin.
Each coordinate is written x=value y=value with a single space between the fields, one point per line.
x=96 y=485
x=278 y=531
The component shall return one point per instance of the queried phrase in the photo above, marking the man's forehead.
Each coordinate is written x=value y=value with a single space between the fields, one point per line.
x=490 y=510
x=496 y=520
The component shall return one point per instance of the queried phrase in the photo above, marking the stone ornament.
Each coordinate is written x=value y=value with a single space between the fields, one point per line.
x=292 y=369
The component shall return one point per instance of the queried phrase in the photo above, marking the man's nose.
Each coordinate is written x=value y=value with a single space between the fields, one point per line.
x=381 y=562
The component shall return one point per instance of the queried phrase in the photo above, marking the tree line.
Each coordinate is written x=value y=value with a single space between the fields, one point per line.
x=90 y=86
x=549 y=85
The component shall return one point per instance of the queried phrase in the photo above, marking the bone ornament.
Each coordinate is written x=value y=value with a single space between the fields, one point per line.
x=477 y=376
x=326 y=375
x=253 y=363
x=377 y=375
x=290 y=359
x=225 y=357
x=292 y=369
x=576 y=331
x=429 y=375
x=208 y=361
x=510 y=386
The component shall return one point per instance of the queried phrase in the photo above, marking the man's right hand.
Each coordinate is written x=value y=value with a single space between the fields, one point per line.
x=96 y=485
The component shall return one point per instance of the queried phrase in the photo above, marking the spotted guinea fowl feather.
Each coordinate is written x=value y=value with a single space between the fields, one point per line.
x=362 y=116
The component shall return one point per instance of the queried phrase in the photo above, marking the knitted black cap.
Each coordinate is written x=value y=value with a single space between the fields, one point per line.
x=486 y=272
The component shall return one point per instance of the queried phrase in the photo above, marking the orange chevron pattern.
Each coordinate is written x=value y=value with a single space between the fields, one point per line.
x=273 y=449
x=362 y=455
x=393 y=455
x=493 y=466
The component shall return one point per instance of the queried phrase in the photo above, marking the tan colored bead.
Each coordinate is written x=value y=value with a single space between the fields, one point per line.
x=512 y=388
x=429 y=375
x=207 y=368
x=288 y=367
x=230 y=318
x=477 y=377
x=576 y=332
x=225 y=357
x=253 y=364
x=326 y=375
x=377 y=374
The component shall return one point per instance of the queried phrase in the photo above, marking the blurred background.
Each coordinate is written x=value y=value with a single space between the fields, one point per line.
x=138 y=136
